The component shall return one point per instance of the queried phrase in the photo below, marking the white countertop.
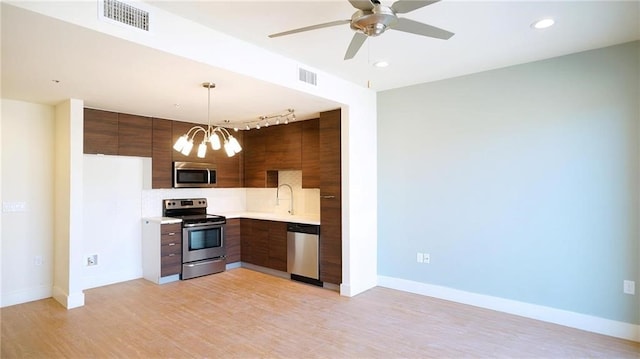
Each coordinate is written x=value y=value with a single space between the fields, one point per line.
x=163 y=220
x=280 y=217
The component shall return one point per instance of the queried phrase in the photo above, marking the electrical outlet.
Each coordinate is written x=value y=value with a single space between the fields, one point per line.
x=426 y=258
x=629 y=287
x=419 y=257
x=92 y=260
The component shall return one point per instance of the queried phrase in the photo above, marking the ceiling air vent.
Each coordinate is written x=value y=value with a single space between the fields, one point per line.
x=125 y=14
x=307 y=76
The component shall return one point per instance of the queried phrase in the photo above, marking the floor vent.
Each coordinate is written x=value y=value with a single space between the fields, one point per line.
x=125 y=14
x=308 y=76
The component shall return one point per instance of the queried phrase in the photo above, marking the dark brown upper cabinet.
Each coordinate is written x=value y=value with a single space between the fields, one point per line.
x=284 y=147
x=311 y=154
x=134 y=135
x=161 y=154
x=112 y=133
x=100 y=132
x=254 y=152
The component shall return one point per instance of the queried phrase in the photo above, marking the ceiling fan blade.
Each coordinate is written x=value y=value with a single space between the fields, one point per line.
x=355 y=45
x=405 y=6
x=419 y=28
x=312 y=27
x=362 y=4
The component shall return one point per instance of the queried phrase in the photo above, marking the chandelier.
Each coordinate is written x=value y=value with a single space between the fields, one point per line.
x=211 y=134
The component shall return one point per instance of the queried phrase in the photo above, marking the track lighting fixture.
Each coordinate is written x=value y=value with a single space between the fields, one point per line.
x=266 y=121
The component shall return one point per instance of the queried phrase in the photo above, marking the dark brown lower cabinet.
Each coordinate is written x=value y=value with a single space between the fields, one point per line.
x=277 y=246
x=264 y=243
x=170 y=249
x=232 y=240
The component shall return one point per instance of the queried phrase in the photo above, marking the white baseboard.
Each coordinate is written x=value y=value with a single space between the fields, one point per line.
x=68 y=300
x=103 y=279
x=547 y=314
x=26 y=295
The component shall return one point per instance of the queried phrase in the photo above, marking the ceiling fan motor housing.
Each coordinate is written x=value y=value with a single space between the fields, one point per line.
x=375 y=21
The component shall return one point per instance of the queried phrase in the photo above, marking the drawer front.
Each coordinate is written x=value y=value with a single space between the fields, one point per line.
x=175 y=228
x=171 y=240
x=171 y=249
x=170 y=265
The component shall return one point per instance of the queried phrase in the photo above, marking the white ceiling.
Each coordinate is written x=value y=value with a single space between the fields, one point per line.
x=488 y=35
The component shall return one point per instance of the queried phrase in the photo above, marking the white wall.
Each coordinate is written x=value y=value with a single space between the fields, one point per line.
x=68 y=213
x=522 y=183
x=27 y=177
x=112 y=213
x=358 y=116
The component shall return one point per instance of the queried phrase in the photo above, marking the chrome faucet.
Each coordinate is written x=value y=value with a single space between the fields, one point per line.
x=290 y=198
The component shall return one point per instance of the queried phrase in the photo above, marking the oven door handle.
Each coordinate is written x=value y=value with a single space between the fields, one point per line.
x=192 y=225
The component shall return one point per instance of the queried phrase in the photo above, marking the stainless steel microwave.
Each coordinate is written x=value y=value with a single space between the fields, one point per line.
x=194 y=175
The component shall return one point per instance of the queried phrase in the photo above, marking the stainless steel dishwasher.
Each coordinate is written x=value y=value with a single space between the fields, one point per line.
x=303 y=247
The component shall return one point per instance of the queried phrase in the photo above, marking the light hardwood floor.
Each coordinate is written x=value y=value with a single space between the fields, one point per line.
x=246 y=314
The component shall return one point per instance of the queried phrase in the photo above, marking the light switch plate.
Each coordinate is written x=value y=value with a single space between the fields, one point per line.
x=13 y=206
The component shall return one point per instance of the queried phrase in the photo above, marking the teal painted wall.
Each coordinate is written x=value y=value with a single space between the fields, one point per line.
x=522 y=183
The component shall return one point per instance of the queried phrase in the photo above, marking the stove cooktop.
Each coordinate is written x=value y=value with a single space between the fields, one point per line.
x=192 y=211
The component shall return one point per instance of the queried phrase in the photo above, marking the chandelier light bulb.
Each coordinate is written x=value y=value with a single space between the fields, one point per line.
x=228 y=148
x=202 y=149
x=187 y=147
x=215 y=141
x=235 y=145
x=179 y=145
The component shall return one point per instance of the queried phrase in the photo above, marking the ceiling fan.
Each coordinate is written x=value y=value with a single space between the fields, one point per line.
x=372 y=19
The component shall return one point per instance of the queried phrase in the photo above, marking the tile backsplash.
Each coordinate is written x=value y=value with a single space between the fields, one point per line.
x=220 y=200
x=305 y=201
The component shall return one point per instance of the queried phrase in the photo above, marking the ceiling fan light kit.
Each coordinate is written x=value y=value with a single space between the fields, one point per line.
x=373 y=19
x=211 y=134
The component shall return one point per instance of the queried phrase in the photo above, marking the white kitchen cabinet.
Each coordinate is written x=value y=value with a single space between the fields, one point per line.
x=161 y=249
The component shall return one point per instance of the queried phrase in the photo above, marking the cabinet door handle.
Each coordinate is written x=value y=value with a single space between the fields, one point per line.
x=171 y=233
x=172 y=244
x=328 y=197
x=172 y=254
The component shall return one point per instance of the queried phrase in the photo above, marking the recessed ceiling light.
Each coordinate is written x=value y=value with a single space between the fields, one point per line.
x=543 y=24
x=381 y=64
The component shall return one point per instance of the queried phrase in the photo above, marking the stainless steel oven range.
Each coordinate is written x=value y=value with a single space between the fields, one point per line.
x=203 y=248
